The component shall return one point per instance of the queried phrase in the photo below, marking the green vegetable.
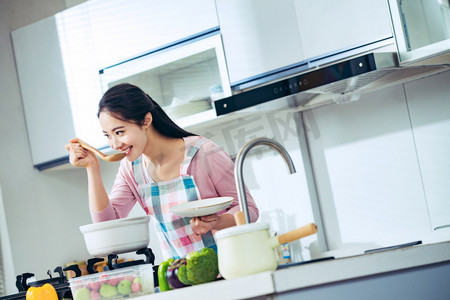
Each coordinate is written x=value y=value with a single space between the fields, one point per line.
x=176 y=274
x=162 y=279
x=202 y=266
x=196 y=268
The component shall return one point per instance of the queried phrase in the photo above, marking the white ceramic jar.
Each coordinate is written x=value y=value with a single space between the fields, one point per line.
x=248 y=249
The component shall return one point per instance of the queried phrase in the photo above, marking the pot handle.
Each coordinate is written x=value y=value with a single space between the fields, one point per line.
x=239 y=218
x=297 y=233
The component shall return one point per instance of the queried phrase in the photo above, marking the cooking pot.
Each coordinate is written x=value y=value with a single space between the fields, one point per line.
x=116 y=236
x=248 y=249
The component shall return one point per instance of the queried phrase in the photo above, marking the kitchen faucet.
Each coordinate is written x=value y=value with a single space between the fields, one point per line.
x=238 y=168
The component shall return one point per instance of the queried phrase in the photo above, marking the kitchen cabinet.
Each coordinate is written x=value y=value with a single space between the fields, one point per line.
x=258 y=36
x=422 y=30
x=261 y=38
x=333 y=26
x=59 y=60
x=430 y=122
x=43 y=85
x=124 y=29
x=59 y=84
x=183 y=79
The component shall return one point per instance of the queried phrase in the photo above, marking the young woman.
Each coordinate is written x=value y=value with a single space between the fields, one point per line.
x=164 y=165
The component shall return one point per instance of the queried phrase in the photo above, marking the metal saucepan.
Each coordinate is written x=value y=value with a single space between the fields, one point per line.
x=248 y=249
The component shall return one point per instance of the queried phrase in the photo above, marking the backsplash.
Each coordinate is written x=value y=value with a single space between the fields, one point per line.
x=380 y=165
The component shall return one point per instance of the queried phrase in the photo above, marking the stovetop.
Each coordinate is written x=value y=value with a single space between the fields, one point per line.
x=61 y=283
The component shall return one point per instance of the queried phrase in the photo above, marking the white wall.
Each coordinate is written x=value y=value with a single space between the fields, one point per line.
x=429 y=108
x=5 y=250
x=381 y=165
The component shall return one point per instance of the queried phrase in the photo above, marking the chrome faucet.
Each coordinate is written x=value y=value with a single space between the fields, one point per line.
x=238 y=168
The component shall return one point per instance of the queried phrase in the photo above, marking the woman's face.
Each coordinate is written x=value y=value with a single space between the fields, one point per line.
x=126 y=137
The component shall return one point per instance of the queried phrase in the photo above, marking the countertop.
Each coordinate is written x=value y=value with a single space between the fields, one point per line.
x=314 y=274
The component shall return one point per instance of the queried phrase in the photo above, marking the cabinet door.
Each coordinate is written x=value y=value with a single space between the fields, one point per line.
x=123 y=29
x=264 y=36
x=44 y=90
x=259 y=36
x=59 y=84
x=430 y=117
x=330 y=26
x=422 y=30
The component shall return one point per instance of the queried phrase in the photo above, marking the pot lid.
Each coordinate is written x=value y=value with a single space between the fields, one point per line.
x=114 y=223
x=240 y=229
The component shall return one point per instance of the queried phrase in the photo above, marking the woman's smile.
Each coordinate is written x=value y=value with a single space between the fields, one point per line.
x=127 y=150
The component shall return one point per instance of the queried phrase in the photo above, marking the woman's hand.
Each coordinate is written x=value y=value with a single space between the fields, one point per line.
x=201 y=225
x=80 y=157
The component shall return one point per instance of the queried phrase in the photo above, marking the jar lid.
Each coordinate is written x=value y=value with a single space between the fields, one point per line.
x=240 y=229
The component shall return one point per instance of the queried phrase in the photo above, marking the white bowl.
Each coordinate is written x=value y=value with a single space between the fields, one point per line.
x=116 y=236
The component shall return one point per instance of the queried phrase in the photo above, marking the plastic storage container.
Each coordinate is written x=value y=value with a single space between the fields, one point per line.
x=116 y=284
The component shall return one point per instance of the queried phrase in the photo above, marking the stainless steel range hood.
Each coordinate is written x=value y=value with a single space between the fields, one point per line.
x=341 y=77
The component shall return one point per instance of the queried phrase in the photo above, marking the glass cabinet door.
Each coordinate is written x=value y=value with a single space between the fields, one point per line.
x=422 y=30
x=185 y=79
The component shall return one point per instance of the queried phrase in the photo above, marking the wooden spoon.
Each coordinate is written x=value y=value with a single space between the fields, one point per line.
x=105 y=157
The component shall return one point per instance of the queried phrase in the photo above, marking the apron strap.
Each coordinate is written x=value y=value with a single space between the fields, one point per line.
x=138 y=167
x=190 y=153
x=139 y=174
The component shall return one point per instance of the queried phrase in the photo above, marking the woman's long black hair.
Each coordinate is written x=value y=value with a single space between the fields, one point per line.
x=129 y=103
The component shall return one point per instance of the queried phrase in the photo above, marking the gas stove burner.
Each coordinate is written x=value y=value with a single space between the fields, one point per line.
x=60 y=283
x=112 y=264
x=53 y=281
x=22 y=283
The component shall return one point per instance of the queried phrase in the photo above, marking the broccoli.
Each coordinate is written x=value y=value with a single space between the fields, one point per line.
x=196 y=268
x=202 y=266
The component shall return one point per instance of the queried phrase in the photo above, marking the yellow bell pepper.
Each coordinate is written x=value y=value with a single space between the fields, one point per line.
x=45 y=292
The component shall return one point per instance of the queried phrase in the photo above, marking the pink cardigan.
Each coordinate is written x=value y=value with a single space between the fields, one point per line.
x=213 y=172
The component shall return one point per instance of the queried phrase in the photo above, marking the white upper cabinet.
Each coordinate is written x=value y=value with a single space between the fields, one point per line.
x=422 y=30
x=184 y=80
x=46 y=87
x=258 y=35
x=123 y=29
x=263 y=36
x=59 y=84
x=331 y=26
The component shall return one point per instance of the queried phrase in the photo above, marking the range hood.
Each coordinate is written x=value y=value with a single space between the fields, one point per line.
x=340 y=77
